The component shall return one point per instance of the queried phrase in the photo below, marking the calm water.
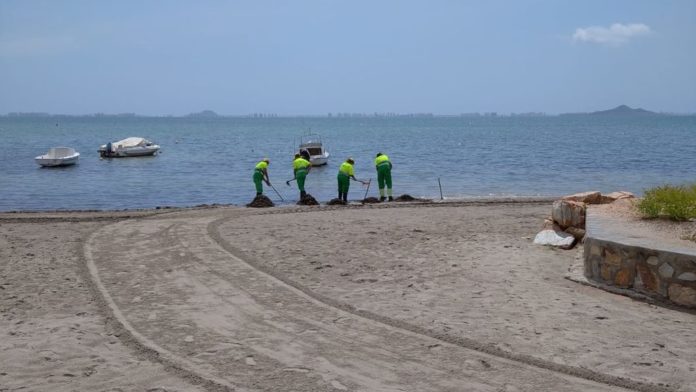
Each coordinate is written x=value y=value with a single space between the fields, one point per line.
x=207 y=161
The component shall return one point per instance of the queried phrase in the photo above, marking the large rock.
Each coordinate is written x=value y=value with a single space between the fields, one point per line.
x=576 y=232
x=555 y=238
x=614 y=196
x=568 y=213
x=593 y=197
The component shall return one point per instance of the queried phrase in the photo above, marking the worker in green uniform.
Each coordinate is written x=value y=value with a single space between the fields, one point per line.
x=261 y=174
x=345 y=174
x=384 y=167
x=301 y=168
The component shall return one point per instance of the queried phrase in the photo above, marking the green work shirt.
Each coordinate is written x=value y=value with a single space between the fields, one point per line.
x=300 y=163
x=262 y=165
x=347 y=169
x=381 y=159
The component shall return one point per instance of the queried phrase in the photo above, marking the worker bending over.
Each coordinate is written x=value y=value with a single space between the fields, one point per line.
x=261 y=174
x=384 y=175
x=301 y=167
x=345 y=174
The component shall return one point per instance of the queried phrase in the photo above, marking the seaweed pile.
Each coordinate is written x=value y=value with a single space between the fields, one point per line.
x=370 y=200
x=336 y=201
x=260 y=201
x=308 y=200
x=407 y=197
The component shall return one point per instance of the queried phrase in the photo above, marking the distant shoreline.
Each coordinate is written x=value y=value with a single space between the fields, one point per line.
x=621 y=110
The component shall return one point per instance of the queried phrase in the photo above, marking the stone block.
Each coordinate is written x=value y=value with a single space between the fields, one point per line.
x=624 y=278
x=595 y=269
x=612 y=258
x=595 y=250
x=606 y=273
x=653 y=260
x=647 y=277
x=567 y=213
x=682 y=295
x=687 y=276
x=666 y=270
x=593 y=197
x=638 y=282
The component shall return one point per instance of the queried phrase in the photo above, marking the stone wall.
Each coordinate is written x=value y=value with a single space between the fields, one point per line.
x=662 y=274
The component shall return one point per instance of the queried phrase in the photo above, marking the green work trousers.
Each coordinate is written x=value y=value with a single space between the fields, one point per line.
x=384 y=176
x=301 y=175
x=258 y=181
x=343 y=183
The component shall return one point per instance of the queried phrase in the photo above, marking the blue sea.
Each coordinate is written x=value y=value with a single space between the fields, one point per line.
x=210 y=160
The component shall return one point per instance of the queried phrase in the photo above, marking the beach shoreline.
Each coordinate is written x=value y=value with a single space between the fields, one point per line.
x=137 y=212
x=449 y=263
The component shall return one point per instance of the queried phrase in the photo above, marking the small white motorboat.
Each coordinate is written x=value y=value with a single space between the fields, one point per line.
x=58 y=156
x=312 y=143
x=129 y=147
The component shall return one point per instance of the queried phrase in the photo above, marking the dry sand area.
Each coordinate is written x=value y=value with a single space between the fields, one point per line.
x=397 y=297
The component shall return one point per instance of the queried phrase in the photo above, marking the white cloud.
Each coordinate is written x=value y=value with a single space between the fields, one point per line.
x=615 y=34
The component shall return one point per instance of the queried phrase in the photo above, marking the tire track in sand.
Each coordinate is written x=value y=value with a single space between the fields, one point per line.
x=329 y=336
x=462 y=341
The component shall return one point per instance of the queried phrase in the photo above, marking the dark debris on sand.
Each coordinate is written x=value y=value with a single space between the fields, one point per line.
x=308 y=200
x=407 y=197
x=336 y=201
x=370 y=200
x=261 y=201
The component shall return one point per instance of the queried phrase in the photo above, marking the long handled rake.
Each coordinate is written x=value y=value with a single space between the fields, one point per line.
x=369 y=181
x=277 y=193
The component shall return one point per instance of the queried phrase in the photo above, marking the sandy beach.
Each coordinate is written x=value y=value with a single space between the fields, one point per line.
x=390 y=297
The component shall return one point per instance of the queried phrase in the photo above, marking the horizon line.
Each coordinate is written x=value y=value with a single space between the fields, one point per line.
x=269 y=115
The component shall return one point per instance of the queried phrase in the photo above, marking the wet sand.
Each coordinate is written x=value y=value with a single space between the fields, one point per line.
x=398 y=297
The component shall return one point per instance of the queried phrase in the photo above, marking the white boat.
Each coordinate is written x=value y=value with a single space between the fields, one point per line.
x=129 y=147
x=58 y=156
x=317 y=153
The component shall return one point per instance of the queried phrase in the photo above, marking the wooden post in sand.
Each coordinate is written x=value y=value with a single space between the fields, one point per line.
x=440 y=185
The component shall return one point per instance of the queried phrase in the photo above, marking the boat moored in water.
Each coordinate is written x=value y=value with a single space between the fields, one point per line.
x=129 y=147
x=312 y=143
x=58 y=156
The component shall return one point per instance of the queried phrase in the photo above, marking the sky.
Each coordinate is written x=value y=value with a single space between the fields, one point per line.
x=319 y=57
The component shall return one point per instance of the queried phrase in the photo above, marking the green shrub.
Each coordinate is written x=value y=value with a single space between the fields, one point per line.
x=673 y=202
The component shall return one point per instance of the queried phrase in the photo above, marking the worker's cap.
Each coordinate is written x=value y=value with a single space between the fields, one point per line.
x=378 y=154
x=297 y=155
x=266 y=160
x=350 y=160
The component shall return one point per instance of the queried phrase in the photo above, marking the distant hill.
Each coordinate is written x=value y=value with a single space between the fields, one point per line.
x=205 y=113
x=623 y=110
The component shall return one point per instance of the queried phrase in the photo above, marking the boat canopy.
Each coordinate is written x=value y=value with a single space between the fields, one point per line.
x=131 y=142
x=60 y=152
